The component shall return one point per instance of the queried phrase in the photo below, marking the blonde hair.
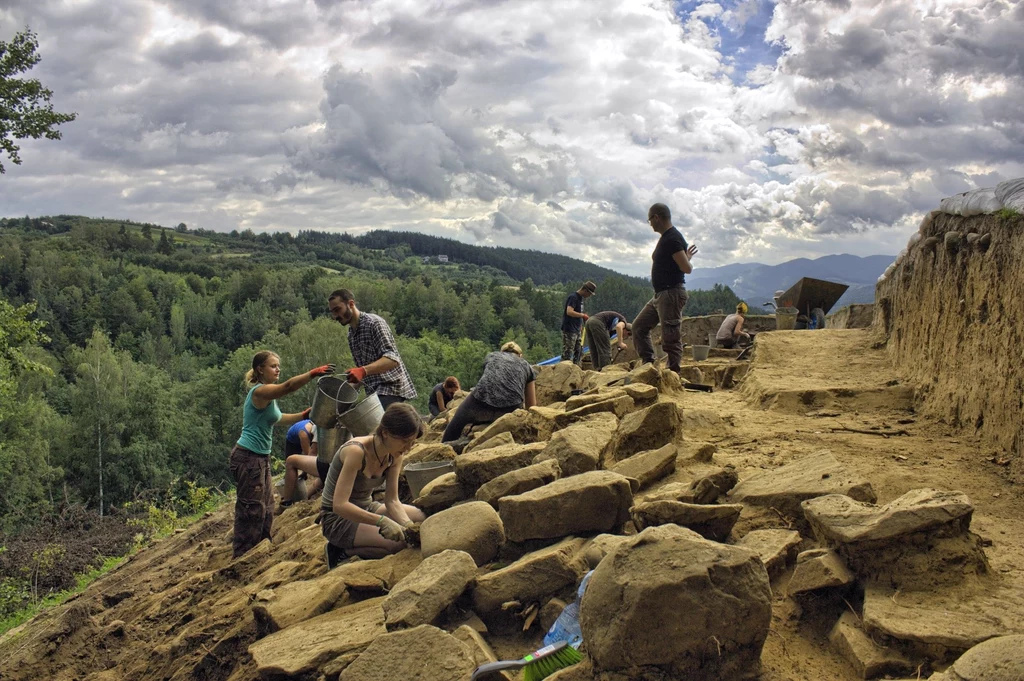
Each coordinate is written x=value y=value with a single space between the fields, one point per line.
x=741 y=308
x=512 y=347
x=252 y=376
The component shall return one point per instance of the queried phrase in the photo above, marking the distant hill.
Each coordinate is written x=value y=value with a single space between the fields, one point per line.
x=757 y=283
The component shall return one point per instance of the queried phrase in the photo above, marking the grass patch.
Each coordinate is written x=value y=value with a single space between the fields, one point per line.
x=1007 y=214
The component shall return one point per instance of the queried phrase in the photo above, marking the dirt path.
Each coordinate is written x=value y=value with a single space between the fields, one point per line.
x=184 y=610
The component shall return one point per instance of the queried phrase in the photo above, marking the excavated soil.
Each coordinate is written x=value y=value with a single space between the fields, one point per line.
x=180 y=609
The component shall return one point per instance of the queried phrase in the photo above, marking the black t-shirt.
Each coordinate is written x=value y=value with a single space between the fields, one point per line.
x=432 y=404
x=572 y=324
x=665 y=273
x=610 y=318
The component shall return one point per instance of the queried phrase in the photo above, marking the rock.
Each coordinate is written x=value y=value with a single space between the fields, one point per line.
x=428 y=590
x=556 y=382
x=593 y=397
x=644 y=430
x=476 y=468
x=712 y=603
x=532 y=578
x=673 y=491
x=708 y=488
x=929 y=243
x=908 y=543
x=705 y=453
x=424 y=653
x=580 y=447
x=525 y=426
x=473 y=527
x=997 y=659
x=600 y=546
x=597 y=501
x=711 y=522
x=646 y=373
x=819 y=569
x=643 y=395
x=504 y=438
x=648 y=467
x=776 y=548
x=812 y=476
x=726 y=377
x=440 y=493
x=519 y=481
x=365 y=577
x=550 y=612
x=619 y=406
x=952 y=241
x=304 y=647
x=691 y=374
x=421 y=453
x=479 y=649
x=869 y=659
x=281 y=607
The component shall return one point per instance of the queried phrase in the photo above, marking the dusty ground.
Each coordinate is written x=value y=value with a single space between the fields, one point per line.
x=802 y=387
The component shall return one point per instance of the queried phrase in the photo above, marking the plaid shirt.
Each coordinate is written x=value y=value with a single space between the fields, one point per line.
x=371 y=341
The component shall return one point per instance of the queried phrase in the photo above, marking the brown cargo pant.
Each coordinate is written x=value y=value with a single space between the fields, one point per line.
x=600 y=342
x=254 y=499
x=665 y=307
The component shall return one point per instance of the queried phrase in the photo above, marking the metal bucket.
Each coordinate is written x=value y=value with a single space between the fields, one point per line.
x=363 y=418
x=419 y=474
x=785 y=318
x=712 y=340
x=700 y=352
x=328 y=442
x=334 y=396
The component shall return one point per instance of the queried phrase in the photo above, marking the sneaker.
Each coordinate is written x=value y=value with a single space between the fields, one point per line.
x=335 y=555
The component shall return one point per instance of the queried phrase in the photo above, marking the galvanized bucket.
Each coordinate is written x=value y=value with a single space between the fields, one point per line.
x=328 y=442
x=419 y=474
x=334 y=396
x=700 y=352
x=363 y=418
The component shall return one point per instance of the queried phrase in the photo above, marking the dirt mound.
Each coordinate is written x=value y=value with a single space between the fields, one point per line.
x=948 y=313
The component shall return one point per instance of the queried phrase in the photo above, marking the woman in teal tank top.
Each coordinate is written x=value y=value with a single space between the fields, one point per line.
x=250 y=457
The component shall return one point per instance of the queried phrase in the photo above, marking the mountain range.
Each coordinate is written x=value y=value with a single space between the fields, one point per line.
x=757 y=283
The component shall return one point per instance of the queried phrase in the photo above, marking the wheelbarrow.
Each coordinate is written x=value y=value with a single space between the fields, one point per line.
x=812 y=298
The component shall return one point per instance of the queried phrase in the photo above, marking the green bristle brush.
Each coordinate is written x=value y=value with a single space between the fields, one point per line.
x=538 y=665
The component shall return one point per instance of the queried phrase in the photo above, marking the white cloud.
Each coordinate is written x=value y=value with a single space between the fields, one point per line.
x=533 y=124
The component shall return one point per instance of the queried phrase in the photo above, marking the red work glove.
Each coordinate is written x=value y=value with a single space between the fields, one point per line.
x=305 y=413
x=356 y=375
x=586 y=317
x=322 y=371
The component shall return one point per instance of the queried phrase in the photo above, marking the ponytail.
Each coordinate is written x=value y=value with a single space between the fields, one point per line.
x=252 y=376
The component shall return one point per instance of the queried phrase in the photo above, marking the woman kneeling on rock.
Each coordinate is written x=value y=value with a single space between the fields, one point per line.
x=352 y=522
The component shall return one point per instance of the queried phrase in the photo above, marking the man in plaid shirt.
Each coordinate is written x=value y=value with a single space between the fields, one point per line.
x=378 y=364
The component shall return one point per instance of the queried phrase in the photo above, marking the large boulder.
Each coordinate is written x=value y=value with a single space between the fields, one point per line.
x=649 y=467
x=525 y=426
x=282 y=606
x=711 y=604
x=907 y=542
x=422 y=453
x=519 y=481
x=597 y=501
x=580 y=447
x=643 y=395
x=620 y=405
x=710 y=521
x=428 y=590
x=556 y=382
x=641 y=431
x=440 y=493
x=532 y=578
x=593 y=397
x=423 y=653
x=997 y=659
x=476 y=468
x=302 y=648
x=473 y=527
x=785 y=488
x=504 y=438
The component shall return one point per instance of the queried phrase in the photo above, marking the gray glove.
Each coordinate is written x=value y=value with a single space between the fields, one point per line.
x=389 y=529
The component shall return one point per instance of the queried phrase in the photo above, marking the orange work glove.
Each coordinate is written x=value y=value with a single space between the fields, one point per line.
x=356 y=375
x=322 y=371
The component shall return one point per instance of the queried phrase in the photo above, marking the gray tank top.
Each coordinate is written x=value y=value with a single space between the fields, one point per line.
x=362 y=486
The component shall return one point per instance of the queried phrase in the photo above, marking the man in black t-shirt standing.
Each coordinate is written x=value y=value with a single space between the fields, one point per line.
x=572 y=323
x=671 y=263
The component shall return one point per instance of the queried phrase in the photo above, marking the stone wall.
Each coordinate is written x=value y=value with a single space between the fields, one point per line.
x=949 y=310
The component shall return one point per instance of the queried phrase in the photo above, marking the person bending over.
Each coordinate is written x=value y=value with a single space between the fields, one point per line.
x=352 y=522
x=600 y=328
x=442 y=394
x=300 y=456
x=731 y=333
x=506 y=384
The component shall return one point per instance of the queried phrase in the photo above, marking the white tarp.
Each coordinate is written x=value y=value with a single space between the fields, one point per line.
x=1011 y=194
x=974 y=202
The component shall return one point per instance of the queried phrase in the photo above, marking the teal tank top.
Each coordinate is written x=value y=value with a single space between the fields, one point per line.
x=258 y=425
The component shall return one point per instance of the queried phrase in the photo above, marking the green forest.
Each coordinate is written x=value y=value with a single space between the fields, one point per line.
x=123 y=346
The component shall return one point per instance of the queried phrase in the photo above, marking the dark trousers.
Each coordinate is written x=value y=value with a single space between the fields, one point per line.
x=473 y=411
x=387 y=400
x=572 y=347
x=600 y=342
x=666 y=308
x=254 y=499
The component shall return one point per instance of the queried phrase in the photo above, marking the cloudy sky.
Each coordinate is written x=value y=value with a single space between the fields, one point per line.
x=772 y=129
